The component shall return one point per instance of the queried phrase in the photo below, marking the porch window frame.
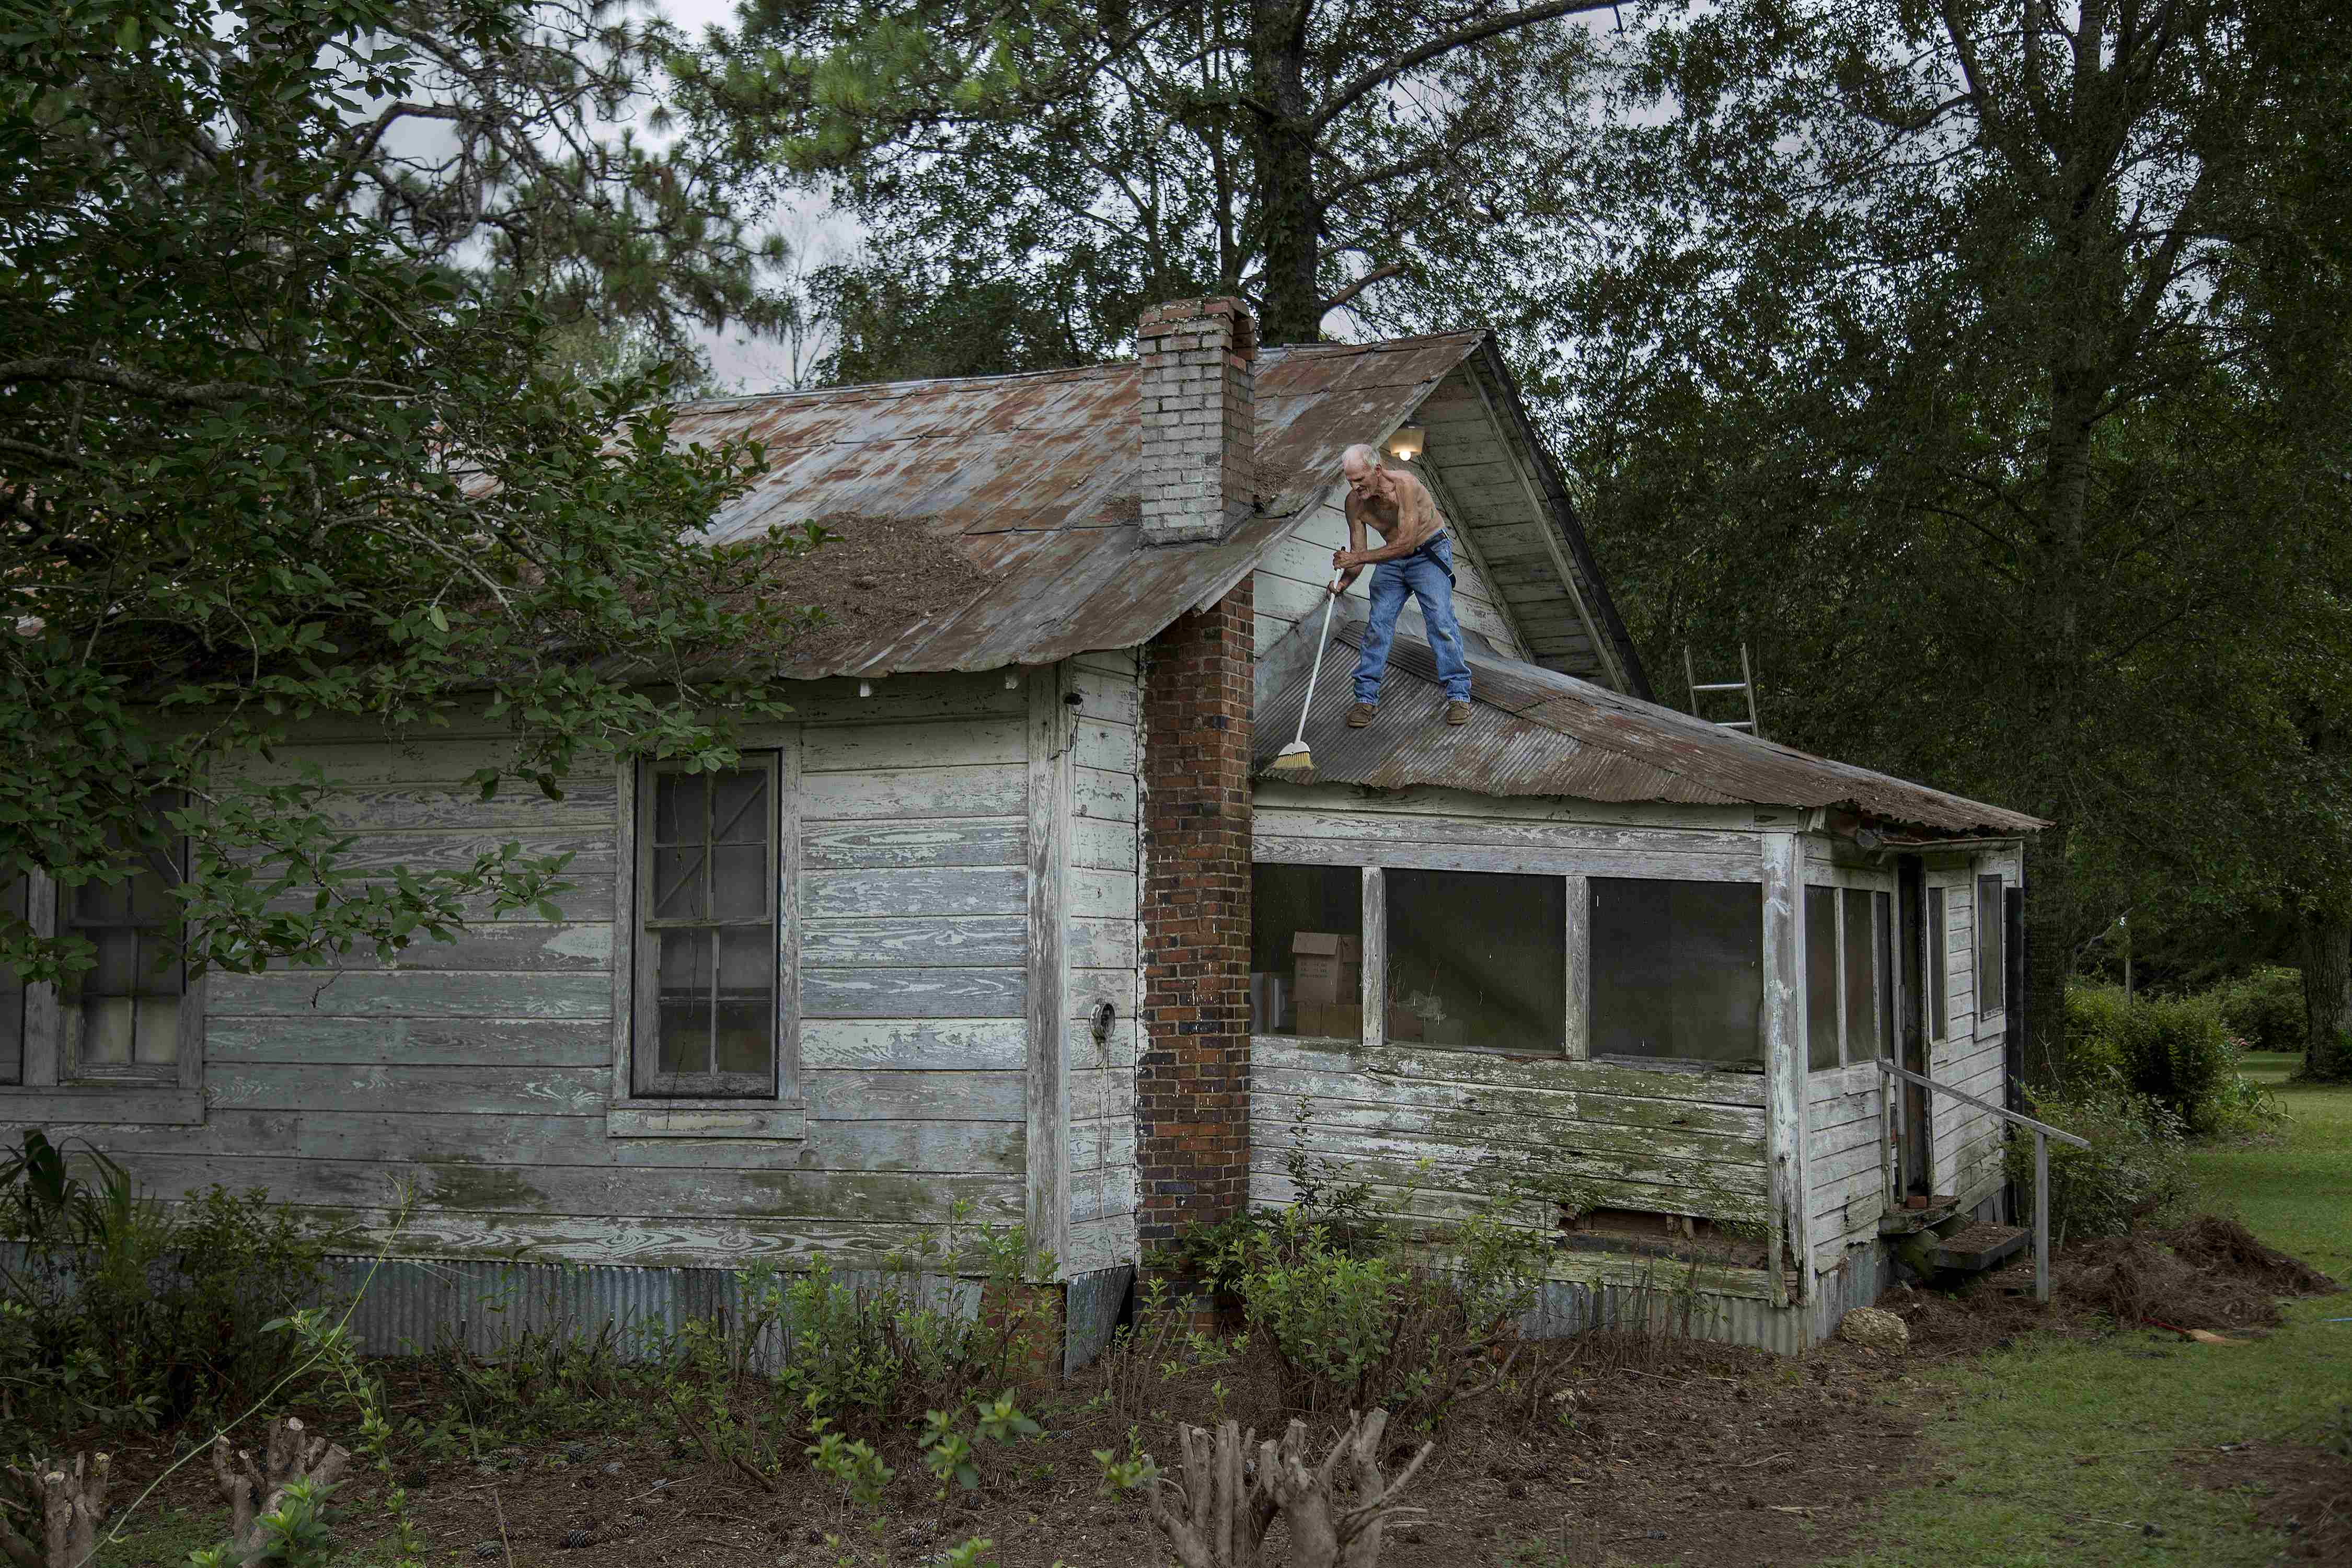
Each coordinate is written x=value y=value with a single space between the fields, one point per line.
x=1886 y=999
x=1374 y=861
x=634 y=1111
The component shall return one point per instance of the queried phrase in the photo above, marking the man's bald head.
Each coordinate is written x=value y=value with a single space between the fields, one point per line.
x=1358 y=458
x=1366 y=476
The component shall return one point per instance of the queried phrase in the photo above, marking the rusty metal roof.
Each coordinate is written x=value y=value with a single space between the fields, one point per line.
x=1034 y=481
x=1535 y=732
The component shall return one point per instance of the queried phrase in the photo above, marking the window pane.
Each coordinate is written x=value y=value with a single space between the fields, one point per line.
x=1936 y=959
x=739 y=881
x=1678 y=969
x=739 y=812
x=1820 y=978
x=104 y=1029
x=677 y=808
x=677 y=884
x=746 y=998
x=1478 y=958
x=149 y=893
x=158 y=1025
x=1861 y=979
x=1990 y=979
x=105 y=903
x=1306 y=950
x=683 y=1000
x=1883 y=906
x=12 y=994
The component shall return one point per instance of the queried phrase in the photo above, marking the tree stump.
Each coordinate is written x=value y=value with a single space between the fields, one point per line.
x=1217 y=1516
x=71 y=1503
x=289 y=1456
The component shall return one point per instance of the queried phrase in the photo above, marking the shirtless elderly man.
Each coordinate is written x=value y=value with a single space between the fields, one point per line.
x=1415 y=558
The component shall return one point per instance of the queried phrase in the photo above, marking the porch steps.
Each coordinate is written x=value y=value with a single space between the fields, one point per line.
x=1981 y=1246
x=1908 y=1221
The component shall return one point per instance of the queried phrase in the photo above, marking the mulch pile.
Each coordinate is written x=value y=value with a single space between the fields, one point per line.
x=2210 y=1273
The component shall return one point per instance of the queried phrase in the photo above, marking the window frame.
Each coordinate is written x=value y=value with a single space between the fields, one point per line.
x=632 y=1109
x=1936 y=924
x=1991 y=926
x=52 y=1088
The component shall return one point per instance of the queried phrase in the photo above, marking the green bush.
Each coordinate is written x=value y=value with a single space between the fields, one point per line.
x=2174 y=1052
x=2264 y=1009
x=131 y=1310
x=2137 y=1167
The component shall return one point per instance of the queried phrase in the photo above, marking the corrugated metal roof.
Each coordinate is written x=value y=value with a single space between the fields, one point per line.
x=1035 y=481
x=1535 y=732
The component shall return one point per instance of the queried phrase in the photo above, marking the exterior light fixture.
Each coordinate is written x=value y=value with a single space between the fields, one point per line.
x=1407 y=441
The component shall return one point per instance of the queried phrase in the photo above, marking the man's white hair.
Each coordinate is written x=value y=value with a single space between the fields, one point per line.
x=1360 y=453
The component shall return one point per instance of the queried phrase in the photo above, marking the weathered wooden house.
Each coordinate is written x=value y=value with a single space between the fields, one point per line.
x=1009 y=914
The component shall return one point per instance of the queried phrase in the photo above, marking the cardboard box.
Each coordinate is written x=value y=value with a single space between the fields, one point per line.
x=1329 y=980
x=1331 y=1021
x=1403 y=1026
x=1328 y=944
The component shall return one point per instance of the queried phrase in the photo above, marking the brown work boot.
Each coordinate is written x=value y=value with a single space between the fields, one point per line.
x=1457 y=711
x=1360 y=715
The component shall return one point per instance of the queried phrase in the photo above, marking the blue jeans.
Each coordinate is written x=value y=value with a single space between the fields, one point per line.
x=1427 y=574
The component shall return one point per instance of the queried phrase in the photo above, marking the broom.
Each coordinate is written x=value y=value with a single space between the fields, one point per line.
x=1297 y=758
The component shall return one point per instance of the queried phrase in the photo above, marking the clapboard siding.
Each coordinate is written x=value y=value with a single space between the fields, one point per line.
x=1102 y=907
x=1845 y=1129
x=1457 y=1129
x=482 y=1069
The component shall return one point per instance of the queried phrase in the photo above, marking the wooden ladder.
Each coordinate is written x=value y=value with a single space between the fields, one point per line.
x=1745 y=686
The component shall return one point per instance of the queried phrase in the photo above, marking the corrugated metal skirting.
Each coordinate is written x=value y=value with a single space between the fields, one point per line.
x=411 y=1306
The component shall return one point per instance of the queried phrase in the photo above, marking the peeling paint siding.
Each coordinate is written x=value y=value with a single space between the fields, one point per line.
x=480 y=1072
x=1444 y=1131
x=1104 y=968
x=1969 y=1143
x=1845 y=1123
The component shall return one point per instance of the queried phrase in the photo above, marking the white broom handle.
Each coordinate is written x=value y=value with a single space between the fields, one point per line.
x=1321 y=638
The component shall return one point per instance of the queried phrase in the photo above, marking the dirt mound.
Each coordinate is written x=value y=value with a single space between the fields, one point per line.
x=881 y=583
x=2210 y=1273
x=2225 y=1245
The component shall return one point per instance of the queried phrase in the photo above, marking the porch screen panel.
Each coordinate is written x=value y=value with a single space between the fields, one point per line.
x=1992 y=965
x=1862 y=982
x=708 y=898
x=12 y=994
x=1820 y=978
x=1677 y=970
x=1478 y=959
x=1307 y=926
x=1883 y=906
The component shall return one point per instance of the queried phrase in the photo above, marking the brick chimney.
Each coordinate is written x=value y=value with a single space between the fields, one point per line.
x=1200 y=419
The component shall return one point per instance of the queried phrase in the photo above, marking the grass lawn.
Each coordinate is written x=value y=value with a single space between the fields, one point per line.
x=2065 y=1453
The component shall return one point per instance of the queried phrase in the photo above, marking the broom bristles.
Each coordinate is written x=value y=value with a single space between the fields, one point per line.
x=1293 y=758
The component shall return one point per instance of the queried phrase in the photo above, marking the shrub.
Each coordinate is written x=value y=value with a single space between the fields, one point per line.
x=2264 y=1009
x=2135 y=1169
x=131 y=1310
x=2174 y=1052
x=1356 y=1328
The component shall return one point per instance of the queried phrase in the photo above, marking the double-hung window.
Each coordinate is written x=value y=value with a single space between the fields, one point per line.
x=709 y=946
x=131 y=1022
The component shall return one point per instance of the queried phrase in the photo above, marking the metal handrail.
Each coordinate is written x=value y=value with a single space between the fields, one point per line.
x=2042 y=1133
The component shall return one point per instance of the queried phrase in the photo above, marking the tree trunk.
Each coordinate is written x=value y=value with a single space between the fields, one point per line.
x=2049 y=949
x=71 y=1501
x=287 y=1456
x=1291 y=217
x=2326 y=956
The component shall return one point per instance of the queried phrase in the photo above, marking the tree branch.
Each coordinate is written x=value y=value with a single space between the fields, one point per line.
x=1444 y=44
x=1377 y=275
